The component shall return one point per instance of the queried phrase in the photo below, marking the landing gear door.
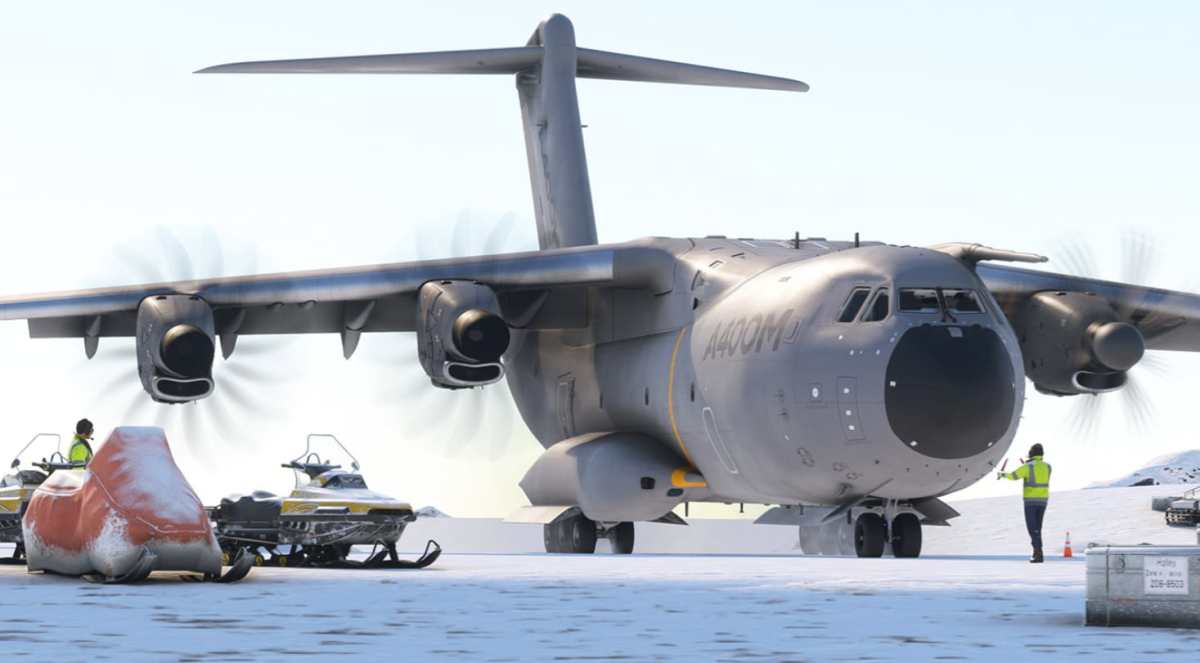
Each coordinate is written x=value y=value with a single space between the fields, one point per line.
x=847 y=399
x=566 y=406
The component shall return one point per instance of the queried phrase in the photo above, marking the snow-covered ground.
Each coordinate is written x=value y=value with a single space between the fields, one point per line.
x=972 y=597
x=537 y=607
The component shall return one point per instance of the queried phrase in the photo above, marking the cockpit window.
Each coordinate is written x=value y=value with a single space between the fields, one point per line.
x=880 y=306
x=948 y=301
x=853 y=304
x=961 y=301
x=919 y=300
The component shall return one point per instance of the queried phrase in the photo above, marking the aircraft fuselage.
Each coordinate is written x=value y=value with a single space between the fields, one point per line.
x=748 y=372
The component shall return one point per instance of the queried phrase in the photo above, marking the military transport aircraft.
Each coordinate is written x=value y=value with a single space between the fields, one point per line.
x=851 y=384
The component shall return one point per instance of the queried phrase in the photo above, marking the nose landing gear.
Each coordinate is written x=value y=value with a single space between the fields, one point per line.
x=866 y=532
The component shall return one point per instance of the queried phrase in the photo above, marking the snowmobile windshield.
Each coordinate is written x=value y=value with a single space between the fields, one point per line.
x=43 y=447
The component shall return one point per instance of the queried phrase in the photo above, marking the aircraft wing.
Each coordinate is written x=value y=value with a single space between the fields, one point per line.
x=375 y=298
x=1168 y=319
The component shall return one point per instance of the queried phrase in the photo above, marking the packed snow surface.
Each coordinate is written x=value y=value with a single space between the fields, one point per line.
x=955 y=603
x=1173 y=468
x=539 y=607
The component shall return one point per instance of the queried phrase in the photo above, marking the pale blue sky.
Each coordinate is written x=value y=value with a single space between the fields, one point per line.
x=1015 y=124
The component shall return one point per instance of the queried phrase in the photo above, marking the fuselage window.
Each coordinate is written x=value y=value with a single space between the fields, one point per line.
x=961 y=301
x=880 y=306
x=854 y=304
x=919 y=300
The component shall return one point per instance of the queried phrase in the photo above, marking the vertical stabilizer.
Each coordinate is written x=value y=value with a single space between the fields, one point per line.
x=546 y=69
x=562 y=194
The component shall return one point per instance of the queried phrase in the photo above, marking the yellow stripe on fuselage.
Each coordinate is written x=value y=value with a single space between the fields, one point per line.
x=671 y=397
x=679 y=479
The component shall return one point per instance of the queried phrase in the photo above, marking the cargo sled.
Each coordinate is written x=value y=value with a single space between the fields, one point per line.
x=129 y=513
x=329 y=511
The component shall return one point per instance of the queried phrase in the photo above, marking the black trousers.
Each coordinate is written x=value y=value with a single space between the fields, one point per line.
x=1034 y=513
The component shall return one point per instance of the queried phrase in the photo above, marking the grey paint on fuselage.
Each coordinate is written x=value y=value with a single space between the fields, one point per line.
x=729 y=384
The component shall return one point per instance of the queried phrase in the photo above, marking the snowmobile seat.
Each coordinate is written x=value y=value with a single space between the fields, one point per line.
x=257 y=507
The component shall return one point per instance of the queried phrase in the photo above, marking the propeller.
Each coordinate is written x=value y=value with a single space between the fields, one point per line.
x=243 y=382
x=480 y=418
x=1138 y=256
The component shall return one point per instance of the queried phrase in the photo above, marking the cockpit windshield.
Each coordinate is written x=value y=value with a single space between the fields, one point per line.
x=919 y=300
x=939 y=300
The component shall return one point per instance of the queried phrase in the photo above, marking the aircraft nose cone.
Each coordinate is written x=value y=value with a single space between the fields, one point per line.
x=949 y=390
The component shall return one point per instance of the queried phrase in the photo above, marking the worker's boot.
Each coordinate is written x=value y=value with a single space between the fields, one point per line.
x=1037 y=557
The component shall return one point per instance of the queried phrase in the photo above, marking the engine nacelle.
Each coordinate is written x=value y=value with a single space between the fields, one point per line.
x=1074 y=343
x=612 y=477
x=460 y=334
x=175 y=347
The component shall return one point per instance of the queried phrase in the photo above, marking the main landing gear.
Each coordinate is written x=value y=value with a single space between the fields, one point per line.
x=865 y=533
x=576 y=533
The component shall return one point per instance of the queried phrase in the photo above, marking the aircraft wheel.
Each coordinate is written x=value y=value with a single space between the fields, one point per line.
x=869 y=535
x=906 y=535
x=573 y=534
x=621 y=538
x=810 y=540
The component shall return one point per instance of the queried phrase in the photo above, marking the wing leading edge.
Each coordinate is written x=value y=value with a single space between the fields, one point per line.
x=1167 y=319
x=322 y=301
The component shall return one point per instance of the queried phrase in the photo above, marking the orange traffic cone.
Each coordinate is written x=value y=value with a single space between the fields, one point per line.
x=1067 y=548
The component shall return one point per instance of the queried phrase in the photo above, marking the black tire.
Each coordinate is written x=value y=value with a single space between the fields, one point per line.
x=580 y=535
x=621 y=538
x=573 y=534
x=869 y=535
x=906 y=535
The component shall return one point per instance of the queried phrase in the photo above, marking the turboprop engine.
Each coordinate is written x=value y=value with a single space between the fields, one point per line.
x=175 y=347
x=460 y=334
x=1074 y=343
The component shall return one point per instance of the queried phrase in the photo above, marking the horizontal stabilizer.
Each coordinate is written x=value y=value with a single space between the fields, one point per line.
x=486 y=61
x=589 y=64
x=621 y=67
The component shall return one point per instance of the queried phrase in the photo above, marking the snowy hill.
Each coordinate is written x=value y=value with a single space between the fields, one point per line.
x=431 y=512
x=1173 y=468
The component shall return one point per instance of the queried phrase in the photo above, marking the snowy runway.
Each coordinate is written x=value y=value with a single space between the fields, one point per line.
x=538 y=607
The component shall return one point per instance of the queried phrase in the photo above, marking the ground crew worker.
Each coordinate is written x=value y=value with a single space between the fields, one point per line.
x=81 y=447
x=1036 y=474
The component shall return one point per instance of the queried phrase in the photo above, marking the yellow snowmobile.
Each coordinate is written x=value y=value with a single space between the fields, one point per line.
x=16 y=489
x=329 y=511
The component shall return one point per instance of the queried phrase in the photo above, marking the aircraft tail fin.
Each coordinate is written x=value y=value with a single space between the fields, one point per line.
x=546 y=69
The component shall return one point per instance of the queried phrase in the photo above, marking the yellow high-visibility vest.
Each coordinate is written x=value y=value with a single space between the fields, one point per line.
x=1036 y=475
x=81 y=451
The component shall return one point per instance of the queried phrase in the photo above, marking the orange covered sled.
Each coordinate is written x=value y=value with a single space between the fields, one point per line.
x=129 y=513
